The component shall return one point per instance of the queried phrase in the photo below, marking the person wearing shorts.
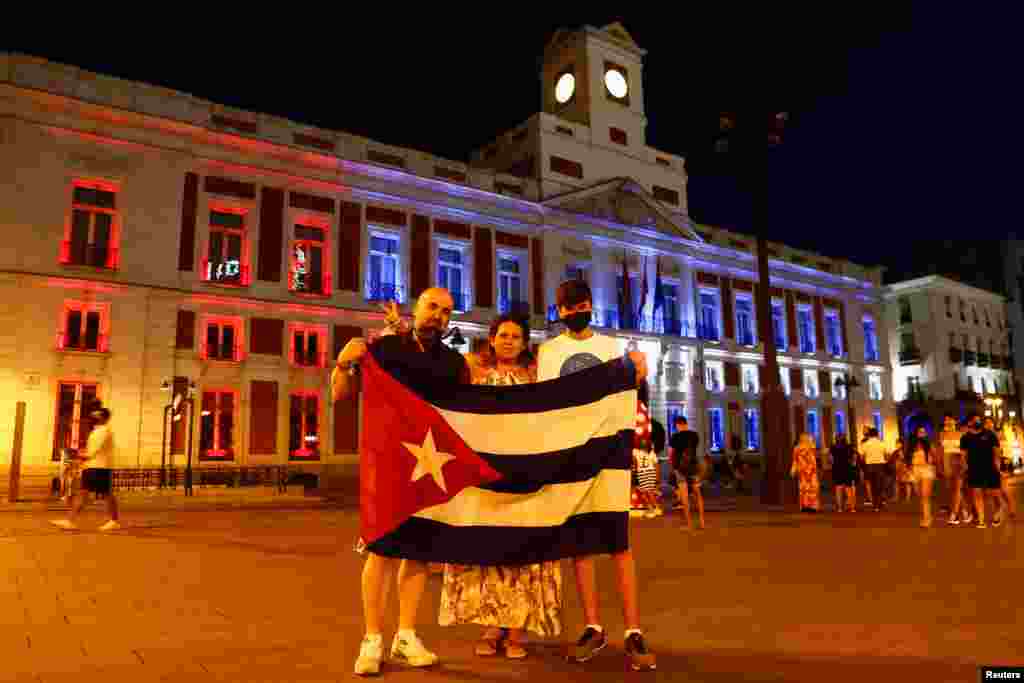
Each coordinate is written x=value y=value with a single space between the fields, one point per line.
x=952 y=470
x=686 y=465
x=97 y=473
x=981 y=449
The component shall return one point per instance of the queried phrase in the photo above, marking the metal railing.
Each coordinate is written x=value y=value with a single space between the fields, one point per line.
x=277 y=477
x=910 y=356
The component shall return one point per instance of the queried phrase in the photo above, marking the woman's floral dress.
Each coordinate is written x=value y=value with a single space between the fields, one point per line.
x=527 y=597
x=806 y=464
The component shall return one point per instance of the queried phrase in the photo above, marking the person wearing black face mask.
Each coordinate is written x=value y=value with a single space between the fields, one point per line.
x=576 y=349
x=981 y=448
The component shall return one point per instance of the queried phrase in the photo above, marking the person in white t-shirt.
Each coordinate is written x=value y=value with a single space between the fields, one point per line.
x=97 y=471
x=576 y=349
x=875 y=457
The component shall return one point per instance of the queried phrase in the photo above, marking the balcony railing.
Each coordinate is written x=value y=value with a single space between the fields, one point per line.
x=910 y=356
x=384 y=291
x=513 y=306
x=983 y=360
x=970 y=358
x=707 y=332
x=83 y=343
x=956 y=355
x=871 y=354
x=95 y=255
x=310 y=359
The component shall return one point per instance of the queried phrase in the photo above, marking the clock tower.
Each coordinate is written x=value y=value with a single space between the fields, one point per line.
x=593 y=77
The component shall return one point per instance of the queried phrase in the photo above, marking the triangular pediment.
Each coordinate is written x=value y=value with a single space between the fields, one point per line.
x=623 y=201
x=619 y=33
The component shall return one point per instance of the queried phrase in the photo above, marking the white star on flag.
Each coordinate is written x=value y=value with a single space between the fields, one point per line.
x=429 y=460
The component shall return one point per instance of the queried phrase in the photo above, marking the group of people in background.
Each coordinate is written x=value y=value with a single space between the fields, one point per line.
x=971 y=465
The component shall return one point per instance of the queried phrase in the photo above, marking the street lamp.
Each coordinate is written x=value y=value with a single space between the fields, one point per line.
x=849 y=383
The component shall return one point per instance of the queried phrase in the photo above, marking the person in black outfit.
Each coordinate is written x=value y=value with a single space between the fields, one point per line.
x=686 y=464
x=658 y=438
x=844 y=475
x=981 y=450
x=419 y=359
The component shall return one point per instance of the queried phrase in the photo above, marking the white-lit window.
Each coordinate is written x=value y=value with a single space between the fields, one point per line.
x=811 y=383
x=713 y=375
x=751 y=427
x=805 y=328
x=384 y=276
x=510 y=284
x=784 y=379
x=875 y=386
x=750 y=379
x=226 y=260
x=745 y=335
x=308 y=271
x=838 y=390
x=452 y=273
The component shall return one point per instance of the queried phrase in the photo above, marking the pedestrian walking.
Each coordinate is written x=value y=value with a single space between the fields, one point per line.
x=875 y=460
x=980 y=447
x=844 y=475
x=97 y=473
x=688 y=469
x=920 y=456
x=805 y=469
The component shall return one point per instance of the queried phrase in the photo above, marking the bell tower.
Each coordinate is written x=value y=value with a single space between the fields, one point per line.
x=593 y=77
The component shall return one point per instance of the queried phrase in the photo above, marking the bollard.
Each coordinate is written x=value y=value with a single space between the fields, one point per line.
x=19 y=437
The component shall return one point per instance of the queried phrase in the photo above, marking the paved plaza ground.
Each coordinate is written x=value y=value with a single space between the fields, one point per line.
x=270 y=592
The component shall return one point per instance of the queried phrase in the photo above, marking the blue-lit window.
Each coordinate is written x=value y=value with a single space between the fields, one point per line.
x=840 y=423
x=716 y=429
x=670 y=310
x=813 y=427
x=744 y=321
x=451 y=274
x=707 y=324
x=383 y=279
x=833 y=334
x=576 y=272
x=870 y=340
x=805 y=329
x=751 y=427
x=779 y=324
x=510 y=283
x=876 y=419
x=673 y=413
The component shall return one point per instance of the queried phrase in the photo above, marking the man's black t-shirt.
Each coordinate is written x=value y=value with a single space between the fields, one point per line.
x=428 y=373
x=980 y=449
x=684 y=446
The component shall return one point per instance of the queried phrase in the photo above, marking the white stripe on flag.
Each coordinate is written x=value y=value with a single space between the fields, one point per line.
x=552 y=505
x=544 y=432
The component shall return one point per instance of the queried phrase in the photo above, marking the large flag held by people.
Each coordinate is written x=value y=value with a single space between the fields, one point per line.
x=497 y=475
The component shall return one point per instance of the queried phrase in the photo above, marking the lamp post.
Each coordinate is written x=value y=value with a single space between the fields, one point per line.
x=849 y=383
x=165 y=386
x=748 y=140
x=191 y=424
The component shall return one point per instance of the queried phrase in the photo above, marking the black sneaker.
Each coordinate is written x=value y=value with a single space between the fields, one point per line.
x=590 y=643
x=640 y=658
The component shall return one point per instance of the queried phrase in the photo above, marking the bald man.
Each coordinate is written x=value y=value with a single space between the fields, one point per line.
x=417 y=357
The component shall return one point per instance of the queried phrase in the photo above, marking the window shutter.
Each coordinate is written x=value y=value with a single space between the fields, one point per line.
x=419 y=249
x=185 y=335
x=732 y=374
x=796 y=379
x=842 y=327
x=826 y=426
x=271 y=234
x=728 y=322
x=791 y=336
x=483 y=265
x=267 y=336
x=819 y=323
x=349 y=245
x=346 y=413
x=537 y=272
x=263 y=418
x=189 y=204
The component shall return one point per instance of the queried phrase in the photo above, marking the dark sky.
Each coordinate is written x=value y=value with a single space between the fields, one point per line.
x=904 y=128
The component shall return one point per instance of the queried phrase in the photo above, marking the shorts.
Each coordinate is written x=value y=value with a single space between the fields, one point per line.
x=694 y=479
x=923 y=472
x=97 y=480
x=983 y=476
x=648 y=479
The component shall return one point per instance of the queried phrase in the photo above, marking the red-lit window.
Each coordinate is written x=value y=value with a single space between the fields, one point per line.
x=308 y=271
x=73 y=424
x=304 y=427
x=309 y=345
x=227 y=254
x=216 y=425
x=92 y=229
x=222 y=339
x=84 y=327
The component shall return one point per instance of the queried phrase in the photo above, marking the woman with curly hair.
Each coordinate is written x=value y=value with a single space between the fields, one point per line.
x=805 y=468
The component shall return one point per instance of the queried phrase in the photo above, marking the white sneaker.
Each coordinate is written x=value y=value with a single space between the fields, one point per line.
x=64 y=524
x=371 y=652
x=112 y=525
x=410 y=651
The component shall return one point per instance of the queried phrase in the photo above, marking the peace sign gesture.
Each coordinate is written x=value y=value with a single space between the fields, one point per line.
x=392 y=317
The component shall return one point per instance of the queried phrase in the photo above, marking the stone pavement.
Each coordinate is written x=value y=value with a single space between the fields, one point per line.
x=273 y=595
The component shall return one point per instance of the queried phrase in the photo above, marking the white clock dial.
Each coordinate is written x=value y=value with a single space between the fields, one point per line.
x=616 y=83
x=565 y=87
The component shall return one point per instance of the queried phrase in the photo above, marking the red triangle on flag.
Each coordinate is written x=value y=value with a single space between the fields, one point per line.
x=410 y=457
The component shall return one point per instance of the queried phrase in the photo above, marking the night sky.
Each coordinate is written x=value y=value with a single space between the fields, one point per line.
x=905 y=119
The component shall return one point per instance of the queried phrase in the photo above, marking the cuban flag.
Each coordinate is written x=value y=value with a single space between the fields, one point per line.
x=497 y=475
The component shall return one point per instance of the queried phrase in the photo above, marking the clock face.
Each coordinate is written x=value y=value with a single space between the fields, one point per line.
x=565 y=88
x=616 y=83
